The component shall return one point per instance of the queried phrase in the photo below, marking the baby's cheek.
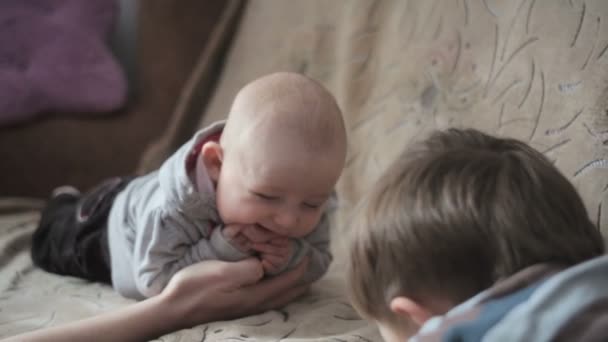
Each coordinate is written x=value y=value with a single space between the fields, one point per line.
x=308 y=226
x=236 y=210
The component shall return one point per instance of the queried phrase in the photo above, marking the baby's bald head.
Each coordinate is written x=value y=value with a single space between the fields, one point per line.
x=285 y=105
x=280 y=155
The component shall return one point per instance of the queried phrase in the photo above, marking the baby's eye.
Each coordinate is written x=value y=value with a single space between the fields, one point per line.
x=265 y=197
x=312 y=205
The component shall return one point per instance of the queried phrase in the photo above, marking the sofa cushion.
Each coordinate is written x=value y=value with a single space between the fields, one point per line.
x=82 y=150
x=54 y=57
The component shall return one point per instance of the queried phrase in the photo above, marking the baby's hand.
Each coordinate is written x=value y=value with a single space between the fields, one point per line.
x=275 y=254
x=235 y=235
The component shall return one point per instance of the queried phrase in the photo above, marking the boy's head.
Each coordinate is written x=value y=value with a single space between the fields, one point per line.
x=280 y=155
x=453 y=215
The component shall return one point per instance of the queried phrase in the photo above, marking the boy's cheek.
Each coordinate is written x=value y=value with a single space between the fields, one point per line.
x=387 y=334
x=395 y=335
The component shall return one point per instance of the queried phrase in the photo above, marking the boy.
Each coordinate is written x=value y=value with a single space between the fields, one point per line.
x=256 y=186
x=456 y=214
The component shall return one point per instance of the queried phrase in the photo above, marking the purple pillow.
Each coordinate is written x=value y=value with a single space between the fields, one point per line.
x=54 y=57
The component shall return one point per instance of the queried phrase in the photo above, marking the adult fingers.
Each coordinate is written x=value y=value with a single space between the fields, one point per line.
x=274 y=260
x=267 y=289
x=242 y=273
x=269 y=267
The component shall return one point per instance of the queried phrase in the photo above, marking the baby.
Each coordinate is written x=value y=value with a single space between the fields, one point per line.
x=257 y=185
x=460 y=213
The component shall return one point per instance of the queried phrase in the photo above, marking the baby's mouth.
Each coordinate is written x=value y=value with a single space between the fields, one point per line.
x=261 y=226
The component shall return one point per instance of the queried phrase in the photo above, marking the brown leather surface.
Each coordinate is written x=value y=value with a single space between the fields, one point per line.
x=197 y=91
x=59 y=149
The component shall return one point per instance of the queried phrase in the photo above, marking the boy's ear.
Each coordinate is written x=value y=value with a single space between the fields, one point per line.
x=407 y=308
x=213 y=155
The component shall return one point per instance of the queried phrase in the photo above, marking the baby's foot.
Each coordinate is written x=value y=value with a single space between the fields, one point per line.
x=65 y=189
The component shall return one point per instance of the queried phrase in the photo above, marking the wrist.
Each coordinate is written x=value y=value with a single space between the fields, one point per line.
x=177 y=309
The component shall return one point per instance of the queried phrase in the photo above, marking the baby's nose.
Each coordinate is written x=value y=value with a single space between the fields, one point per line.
x=286 y=218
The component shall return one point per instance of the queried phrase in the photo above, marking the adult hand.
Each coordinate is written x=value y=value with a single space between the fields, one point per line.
x=216 y=290
x=200 y=293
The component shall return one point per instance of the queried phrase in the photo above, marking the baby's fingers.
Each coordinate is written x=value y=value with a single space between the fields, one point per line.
x=265 y=248
x=242 y=241
x=269 y=267
x=275 y=260
x=258 y=234
x=280 y=241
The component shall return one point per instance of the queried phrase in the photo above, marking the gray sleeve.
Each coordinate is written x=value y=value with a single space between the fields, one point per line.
x=316 y=245
x=164 y=247
x=222 y=248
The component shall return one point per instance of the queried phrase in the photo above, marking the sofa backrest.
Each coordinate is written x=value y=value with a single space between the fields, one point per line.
x=534 y=70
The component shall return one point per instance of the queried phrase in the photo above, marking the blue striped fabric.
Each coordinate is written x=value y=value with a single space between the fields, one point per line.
x=563 y=304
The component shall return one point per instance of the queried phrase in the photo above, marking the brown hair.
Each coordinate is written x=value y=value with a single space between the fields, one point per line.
x=457 y=212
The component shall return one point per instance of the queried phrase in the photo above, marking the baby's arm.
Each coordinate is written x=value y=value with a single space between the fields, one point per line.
x=315 y=244
x=274 y=251
x=163 y=247
x=276 y=254
x=237 y=235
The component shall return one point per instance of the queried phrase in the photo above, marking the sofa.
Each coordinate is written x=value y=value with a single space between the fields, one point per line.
x=159 y=44
x=533 y=70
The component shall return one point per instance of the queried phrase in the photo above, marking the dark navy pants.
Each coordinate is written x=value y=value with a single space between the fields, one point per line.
x=72 y=236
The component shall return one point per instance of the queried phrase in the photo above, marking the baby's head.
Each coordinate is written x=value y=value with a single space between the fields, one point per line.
x=453 y=215
x=280 y=154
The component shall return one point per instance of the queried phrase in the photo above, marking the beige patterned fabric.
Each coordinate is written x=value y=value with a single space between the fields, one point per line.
x=531 y=69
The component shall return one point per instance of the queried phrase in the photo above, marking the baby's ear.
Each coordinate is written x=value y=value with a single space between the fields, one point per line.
x=409 y=309
x=213 y=155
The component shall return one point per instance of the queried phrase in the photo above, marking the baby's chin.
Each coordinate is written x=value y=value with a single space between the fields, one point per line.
x=298 y=234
